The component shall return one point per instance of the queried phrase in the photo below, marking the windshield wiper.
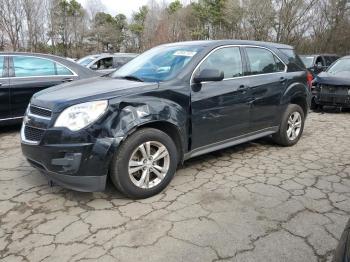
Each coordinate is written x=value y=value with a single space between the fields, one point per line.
x=132 y=78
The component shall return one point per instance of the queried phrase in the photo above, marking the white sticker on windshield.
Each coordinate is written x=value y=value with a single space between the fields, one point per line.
x=185 y=53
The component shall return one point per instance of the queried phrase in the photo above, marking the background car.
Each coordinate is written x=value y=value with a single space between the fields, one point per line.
x=106 y=63
x=332 y=87
x=318 y=63
x=23 y=74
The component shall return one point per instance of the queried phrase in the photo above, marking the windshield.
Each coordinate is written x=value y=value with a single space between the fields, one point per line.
x=307 y=60
x=342 y=65
x=85 y=61
x=158 y=64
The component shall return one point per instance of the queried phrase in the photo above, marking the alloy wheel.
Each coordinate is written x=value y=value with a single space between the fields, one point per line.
x=149 y=164
x=294 y=126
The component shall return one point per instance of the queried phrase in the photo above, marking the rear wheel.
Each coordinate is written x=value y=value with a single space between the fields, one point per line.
x=291 y=127
x=145 y=163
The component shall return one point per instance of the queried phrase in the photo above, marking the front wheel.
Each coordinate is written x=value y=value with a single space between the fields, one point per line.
x=291 y=127
x=145 y=163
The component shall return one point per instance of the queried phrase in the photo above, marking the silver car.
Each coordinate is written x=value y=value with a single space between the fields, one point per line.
x=106 y=63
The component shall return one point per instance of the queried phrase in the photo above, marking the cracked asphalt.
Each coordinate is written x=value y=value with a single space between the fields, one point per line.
x=253 y=202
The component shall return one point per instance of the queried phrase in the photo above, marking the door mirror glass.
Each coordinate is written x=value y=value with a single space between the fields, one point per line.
x=209 y=75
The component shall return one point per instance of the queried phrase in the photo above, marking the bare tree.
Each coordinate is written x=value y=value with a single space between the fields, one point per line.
x=11 y=20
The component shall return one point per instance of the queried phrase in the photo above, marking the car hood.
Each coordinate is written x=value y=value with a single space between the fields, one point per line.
x=334 y=80
x=62 y=96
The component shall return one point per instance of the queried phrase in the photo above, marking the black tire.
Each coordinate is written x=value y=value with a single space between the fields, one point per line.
x=281 y=137
x=119 y=172
x=314 y=105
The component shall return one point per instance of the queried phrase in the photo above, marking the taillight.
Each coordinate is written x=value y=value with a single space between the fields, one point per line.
x=309 y=78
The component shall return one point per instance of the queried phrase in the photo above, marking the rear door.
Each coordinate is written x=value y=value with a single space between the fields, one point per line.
x=4 y=89
x=267 y=83
x=29 y=75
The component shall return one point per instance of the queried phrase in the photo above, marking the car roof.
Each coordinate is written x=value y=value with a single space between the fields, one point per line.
x=217 y=43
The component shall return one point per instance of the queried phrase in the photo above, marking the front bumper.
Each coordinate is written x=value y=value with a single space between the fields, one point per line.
x=79 y=166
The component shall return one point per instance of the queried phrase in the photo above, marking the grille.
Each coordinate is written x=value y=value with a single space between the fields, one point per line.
x=40 y=111
x=33 y=134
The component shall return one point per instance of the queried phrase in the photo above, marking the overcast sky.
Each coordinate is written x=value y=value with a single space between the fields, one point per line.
x=126 y=7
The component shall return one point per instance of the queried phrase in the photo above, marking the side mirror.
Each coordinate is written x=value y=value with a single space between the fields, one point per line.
x=209 y=75
x=319 y=66
x=94 y=67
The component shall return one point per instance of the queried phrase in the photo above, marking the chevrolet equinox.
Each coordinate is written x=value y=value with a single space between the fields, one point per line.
x=173 y=102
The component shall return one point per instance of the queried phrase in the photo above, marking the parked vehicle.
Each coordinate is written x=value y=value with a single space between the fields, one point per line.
x=171 y=103
x=24 y=74
x=106 y=63
x=318 y=63
x=332 y=88
x=342 y=253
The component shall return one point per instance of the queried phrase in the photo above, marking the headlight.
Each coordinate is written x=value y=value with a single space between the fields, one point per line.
x=79 y=116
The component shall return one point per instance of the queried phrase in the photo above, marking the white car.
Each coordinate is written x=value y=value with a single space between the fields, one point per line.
x=106 y=63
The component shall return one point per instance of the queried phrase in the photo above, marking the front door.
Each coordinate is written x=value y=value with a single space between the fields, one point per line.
x=4 y=89
x=220 y=110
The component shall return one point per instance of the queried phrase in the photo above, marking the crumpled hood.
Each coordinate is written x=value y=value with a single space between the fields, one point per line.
x=86 y=90
x=342 y=79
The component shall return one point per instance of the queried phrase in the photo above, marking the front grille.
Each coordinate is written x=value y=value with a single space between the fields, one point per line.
x=33 y=134
x=38 y=111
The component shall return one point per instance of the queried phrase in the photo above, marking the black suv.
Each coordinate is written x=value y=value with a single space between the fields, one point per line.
x=318 y=63
x=171 y=103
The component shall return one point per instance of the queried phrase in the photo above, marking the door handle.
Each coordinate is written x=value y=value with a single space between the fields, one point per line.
x=67 y=80
x=242 y=87
x=283 y=80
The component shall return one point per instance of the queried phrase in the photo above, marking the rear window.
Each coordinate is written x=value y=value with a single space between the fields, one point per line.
x=295 y=63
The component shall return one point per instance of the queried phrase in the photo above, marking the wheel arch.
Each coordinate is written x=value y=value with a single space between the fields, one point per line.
x=168 y=128
x=298 y=94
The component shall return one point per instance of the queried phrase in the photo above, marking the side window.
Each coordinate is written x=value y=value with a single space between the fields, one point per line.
x=227 y=59
x=104 y=63
x=262 y=61
x=26 y=66
x=62 y=70
x=319 y=61
x=2 y=60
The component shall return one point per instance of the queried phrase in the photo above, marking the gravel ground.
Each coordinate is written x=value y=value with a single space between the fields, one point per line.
x=253 y=202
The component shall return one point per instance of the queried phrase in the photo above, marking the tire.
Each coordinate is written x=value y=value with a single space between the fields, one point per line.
x=136 y=152
x=314 y=105
x=284 y=138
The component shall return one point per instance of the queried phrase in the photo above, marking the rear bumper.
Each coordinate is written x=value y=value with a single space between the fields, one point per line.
x=81 y=167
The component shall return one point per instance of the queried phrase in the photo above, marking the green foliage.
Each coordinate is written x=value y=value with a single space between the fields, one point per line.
x=174 y=7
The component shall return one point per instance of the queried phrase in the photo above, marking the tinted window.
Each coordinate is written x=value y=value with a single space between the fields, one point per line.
x=2 y=66
x=330 y=60
x=62 y=70
x=227 y=59
x=33 y=66
x=308 y=61
x=104 y=63
x=319 y=61
x=262 y=61
x=294 y=60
